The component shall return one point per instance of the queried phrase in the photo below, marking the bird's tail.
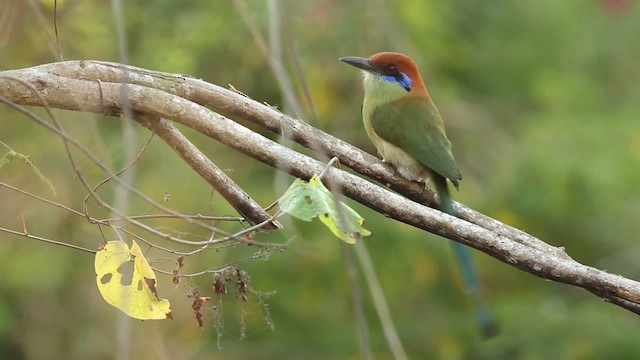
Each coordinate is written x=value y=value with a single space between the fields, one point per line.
x=483 y=314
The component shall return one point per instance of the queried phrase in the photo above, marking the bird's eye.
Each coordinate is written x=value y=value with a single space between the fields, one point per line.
x=390 y=69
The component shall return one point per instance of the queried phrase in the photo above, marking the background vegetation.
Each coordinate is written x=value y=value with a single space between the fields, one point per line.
x=541 y=101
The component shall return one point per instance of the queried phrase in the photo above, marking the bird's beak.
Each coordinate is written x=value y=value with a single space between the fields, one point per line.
x=360 y=63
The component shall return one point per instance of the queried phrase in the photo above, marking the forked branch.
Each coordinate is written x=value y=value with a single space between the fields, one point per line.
x=95 y=86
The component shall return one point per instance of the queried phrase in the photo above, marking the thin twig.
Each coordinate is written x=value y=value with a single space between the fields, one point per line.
x=357 y=302
x=182 y=216
x=131 y=163
x=55 y=31
x=380 y=302
x=43 y=239
x=262 y=254
x=276 y=66
x=299 y=72
x=329 y=164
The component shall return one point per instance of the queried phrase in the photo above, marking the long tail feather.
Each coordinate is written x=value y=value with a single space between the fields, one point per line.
x=483 y=314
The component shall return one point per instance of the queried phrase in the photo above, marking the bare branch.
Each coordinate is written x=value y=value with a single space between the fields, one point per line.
x=74 y=86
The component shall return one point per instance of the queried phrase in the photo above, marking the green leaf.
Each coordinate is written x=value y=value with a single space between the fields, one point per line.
x=308 y=200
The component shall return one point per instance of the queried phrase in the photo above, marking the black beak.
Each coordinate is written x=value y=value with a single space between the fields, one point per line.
x=360 y=63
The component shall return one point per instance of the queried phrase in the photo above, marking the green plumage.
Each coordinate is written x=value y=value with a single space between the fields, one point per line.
x=414 y=125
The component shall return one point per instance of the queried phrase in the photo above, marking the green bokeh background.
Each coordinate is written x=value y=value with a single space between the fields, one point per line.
x=541 y=100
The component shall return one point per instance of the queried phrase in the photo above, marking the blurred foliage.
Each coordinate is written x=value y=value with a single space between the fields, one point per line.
x=541 y=99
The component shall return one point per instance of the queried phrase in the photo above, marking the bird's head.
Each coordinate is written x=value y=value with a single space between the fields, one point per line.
x=390 y=72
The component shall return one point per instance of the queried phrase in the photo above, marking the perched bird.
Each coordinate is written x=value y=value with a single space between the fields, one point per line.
x=404 y=125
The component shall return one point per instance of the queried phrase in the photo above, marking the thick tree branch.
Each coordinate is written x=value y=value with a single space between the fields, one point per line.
x=74 y=85
x=234 y=105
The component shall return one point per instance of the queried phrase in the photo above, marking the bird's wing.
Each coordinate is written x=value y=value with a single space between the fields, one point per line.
x=414 y=125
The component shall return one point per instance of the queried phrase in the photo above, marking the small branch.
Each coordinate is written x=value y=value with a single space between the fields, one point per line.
x=380 y=302
x=272 y=58
x=357 y=302
x=170 y=216
x=55 y=30
x=43 y=239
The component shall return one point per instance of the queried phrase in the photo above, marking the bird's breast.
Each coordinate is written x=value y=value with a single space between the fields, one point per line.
x=406 y=165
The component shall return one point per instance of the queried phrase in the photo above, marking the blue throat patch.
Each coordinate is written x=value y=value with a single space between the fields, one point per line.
x=401 y=78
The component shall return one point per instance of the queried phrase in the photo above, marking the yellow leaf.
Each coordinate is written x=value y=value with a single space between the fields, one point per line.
x=126 y=281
